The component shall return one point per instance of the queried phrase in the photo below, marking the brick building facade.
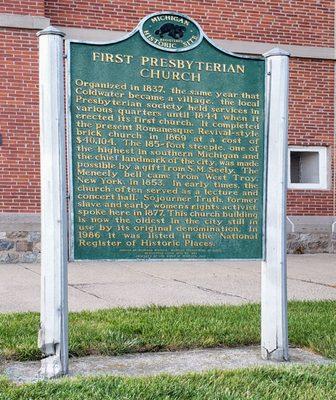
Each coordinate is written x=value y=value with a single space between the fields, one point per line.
x=305 y=28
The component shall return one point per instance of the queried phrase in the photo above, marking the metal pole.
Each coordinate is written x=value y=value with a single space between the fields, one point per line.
x=53 y=335
x=274 y=327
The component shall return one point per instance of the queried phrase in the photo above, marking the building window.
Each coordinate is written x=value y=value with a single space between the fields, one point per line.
x=307 y=167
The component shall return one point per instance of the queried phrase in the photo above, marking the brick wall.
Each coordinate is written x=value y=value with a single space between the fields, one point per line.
x=288 y=22
x=19 y=121
x=311 y=123
x=308 y=22
x=23 y=7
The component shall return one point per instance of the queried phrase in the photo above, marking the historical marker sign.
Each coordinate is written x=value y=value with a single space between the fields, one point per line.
x=167 y=161
x=167 y=146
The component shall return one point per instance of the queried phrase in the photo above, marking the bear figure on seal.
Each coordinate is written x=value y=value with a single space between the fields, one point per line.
x=175 y=31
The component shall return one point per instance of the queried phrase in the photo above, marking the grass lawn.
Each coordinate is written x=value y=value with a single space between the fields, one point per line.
x=311 y=325
x=116 y=331
x=295 y=383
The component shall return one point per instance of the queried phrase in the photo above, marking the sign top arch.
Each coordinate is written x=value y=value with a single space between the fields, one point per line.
x=171 y=31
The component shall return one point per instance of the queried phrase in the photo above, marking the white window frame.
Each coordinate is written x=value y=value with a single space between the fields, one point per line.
x=323 y=168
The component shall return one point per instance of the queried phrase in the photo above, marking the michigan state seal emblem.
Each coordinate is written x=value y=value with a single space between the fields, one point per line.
x=171 y=32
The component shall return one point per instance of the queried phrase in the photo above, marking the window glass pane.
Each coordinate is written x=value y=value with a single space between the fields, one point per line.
x=295 y=167
x=304 y=167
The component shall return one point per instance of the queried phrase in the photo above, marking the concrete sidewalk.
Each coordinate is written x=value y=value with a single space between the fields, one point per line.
x=173 y=363
x=94 y=285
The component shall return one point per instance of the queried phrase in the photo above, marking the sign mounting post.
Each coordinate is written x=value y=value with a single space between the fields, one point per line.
x=53 y=336
x=274 y=330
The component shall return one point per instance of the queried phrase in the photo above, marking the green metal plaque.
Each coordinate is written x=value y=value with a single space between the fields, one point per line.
x=167 y=146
